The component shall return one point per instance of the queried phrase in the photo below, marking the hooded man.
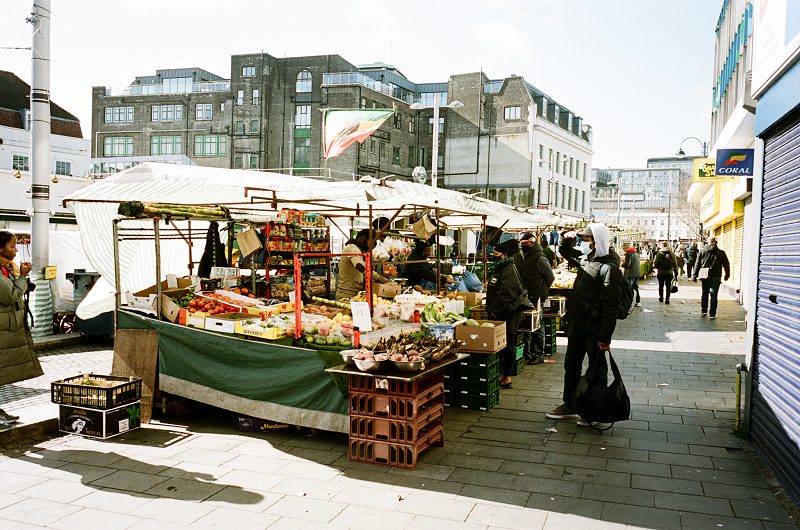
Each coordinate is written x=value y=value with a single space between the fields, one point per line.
x=714 y=260
x=591 y=309
x=537 y=277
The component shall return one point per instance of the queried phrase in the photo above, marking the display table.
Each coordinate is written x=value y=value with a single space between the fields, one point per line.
x=395 y=416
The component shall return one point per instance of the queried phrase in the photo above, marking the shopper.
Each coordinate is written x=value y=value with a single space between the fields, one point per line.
x=423 y=274
x=633 y=270
x=709 y=266
x=691 y=258
x=351 y=278
x=680 y=259
x=666 y=267
x=592 y=309
x=537 y=277
x=548 y=252
x=18 y=361
x=506 y=300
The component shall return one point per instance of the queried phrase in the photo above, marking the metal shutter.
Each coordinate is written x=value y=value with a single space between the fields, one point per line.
x=750 y=226
x=736 y=259
x=726 y=243
x=775 y=404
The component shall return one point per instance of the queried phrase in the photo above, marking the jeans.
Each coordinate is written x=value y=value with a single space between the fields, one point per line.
x=635 y=285
x=508 y=356
x=710 y=290
x=664 y=281
x=579 y=344
x=533 y=344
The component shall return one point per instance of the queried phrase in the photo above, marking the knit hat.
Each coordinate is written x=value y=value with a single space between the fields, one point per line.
x=527 y=236
x=508 y=247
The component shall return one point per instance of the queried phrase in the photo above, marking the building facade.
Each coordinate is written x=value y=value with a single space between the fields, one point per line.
x=509 y=140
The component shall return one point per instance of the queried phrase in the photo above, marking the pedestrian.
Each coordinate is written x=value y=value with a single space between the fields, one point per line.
x=680 y=259
x=708 y=268
x=633 y=270
x=537 y=277
x=591 y=308
x=506 y=300
x=691 y=257
x=666 y=265
x=554 y=237
x=18 y=361
x=548 y=252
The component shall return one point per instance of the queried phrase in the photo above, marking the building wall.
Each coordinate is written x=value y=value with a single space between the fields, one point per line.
x=62 y=149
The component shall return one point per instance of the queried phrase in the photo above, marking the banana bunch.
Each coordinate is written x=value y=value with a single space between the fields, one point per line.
x=433 y=313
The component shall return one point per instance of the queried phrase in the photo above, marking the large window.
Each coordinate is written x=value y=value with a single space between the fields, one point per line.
x=167 y=113
x=20 y=162
x=63 y=167
x=253 y=161
x=412 y=159
x=382 y=149
x=256 y=97
x=303 y=82
x=396 y=155
x=248 y=71
x=302 y=157
x=411 y=125
x=177 y=85
x=204 y=111
x=210 y=145
x=302 y=116
x=165 y=145
x=512 y=113
x=240 y=97
x=239 y=128
x=119 y=114
x=118 y=146
x=398 y=122
x=253 y=126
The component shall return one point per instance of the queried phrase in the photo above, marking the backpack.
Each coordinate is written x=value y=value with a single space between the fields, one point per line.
x=627 y=298
x=662 y=261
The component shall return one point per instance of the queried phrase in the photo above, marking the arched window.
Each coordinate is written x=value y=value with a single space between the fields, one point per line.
x=303 y=82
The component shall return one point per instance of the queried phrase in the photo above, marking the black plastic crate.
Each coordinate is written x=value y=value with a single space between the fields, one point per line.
x=480 y=361
x=70 y=391
x=479 y=388
x=478 y=374
x=479 y=402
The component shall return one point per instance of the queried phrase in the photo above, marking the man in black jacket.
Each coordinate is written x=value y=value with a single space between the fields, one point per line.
x=537 y=277
x=418 y=271
x=591 y=309
x=715 y=260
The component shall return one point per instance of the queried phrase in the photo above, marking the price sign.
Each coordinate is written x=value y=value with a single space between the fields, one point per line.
x=362 y=319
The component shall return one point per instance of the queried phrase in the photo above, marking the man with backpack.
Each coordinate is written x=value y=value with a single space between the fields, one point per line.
x=708 y=269
x=592 y=308
x=537 y=277
x=666 y=265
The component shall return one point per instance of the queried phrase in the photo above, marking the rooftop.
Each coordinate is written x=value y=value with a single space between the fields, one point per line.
x=15 y=98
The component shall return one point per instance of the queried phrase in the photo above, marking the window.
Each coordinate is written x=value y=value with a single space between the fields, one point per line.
x=303 y=82
x=165 y=145
x=441 y=125
x=63 y=167
x=301 y=152
x=240 y=97
x=397 y=121
x=512 y=113
x=256 y=97
x=363 y=145
x=584 y=172
x=411 y=158
x=382 y=149
x=248 y=71
x=411 y=125
x=363 y=103
x=203 y=111
x=396 y=155
x=119 y=114
x=372 y=146
x=440 y=156
x=302 y=116
x=165 y=113
x=210 y=145
x=253 y=161
x=541 y=152
x=20 y=162
x=118 y=146
x=422 y=159
x=237 y=162
x=176 y=85
x=253 y=126
x=239 y=127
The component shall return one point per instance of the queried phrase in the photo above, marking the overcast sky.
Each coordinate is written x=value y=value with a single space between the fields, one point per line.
x=638 y=71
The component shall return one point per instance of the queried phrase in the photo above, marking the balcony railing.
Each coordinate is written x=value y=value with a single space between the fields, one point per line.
x=160 y=89
x=356 y=78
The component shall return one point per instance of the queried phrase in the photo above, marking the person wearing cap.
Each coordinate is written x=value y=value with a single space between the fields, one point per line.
x=715 y=260
x=537 y=277
x=423 y=274
x=591 y=309
x=506 y=300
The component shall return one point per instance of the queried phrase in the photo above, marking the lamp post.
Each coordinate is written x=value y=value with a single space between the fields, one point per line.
x=435 y=147
x=703 y=147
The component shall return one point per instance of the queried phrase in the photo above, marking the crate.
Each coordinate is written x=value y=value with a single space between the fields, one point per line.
x=479 y=361
x=478 y=313
x=521 y=362
x=391 y=453
x=478 y=374
x=398 y=431
x=519 y=351
x=70 y=391
x=451 y=385
x=392 y=387
x=395 y=407
x=479 y=388
x=479 y=402
x=99 y=423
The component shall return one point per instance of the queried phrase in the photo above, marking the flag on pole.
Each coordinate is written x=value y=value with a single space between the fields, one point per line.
x=340 y=128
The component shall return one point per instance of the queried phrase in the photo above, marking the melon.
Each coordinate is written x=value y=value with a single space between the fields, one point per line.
x=487 y=325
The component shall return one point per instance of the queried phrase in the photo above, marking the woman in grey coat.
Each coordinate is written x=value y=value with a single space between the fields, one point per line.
x=18 y=361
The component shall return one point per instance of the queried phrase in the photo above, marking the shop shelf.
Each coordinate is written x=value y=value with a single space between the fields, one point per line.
x=391 y=453
x=398 y=431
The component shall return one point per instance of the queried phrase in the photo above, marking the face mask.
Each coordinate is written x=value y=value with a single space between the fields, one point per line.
x=585 y=248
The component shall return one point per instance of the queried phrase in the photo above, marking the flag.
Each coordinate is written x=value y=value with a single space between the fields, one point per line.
x=340 y=128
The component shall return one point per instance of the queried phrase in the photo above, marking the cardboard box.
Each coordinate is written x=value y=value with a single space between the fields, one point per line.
x=196 y=320
x=248 y=424
x=178 y=287
x=225 y=322
x=386 y=290
x=443 y=331
x=262 y=333
x=97 y=423
x=169 y=309
x=470 y=299
x=482 y=340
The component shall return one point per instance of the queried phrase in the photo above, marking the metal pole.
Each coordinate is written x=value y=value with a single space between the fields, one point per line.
x=117 y=288
x=435 y=150
x=157 y=237
x=438 y=255
x=619 y=194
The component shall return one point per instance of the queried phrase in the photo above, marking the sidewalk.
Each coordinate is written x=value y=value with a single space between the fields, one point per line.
x=675 y=464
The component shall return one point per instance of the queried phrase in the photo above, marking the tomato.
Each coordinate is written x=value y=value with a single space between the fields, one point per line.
x=245 y=290
x=193 y=303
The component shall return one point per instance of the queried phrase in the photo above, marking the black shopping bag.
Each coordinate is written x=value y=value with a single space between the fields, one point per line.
x=596 y=402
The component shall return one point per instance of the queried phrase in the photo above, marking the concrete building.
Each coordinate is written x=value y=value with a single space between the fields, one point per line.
x=69 y=158
x=509 y=140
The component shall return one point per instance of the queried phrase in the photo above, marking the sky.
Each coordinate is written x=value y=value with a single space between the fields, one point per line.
x=638 y=71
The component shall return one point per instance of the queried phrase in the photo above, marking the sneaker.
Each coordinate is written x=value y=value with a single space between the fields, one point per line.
x=660 y=299
x=703 y=315
x=638 y=304
x=535 y=361
x=5 y=417
x=712 y=317
x=560 y=412
x=583 y=423
x=666 y=301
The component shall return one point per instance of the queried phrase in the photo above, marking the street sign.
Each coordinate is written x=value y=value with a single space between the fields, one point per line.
x=734 y=162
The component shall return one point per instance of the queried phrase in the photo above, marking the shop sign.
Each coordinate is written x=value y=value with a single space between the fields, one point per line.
x=776 y=40
x=704 y=171
x=734 y=162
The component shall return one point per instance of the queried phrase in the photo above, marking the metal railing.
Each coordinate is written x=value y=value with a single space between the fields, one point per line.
x=356 y=78
x=156 y=89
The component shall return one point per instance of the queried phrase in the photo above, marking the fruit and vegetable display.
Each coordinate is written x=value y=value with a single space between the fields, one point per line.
x=415 y=347
x=281 y=322
x=156 y=209
x=206 y=305
x=564 y=279
x=434 y=313
x=475 y=323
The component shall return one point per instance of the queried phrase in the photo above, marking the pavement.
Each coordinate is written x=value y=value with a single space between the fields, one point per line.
x=675 y=464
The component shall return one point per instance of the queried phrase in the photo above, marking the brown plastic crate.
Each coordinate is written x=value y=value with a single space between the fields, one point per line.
x=392 y=387
x=394 y=454
x=395 y=407
x=70 y=391
x=398 y=431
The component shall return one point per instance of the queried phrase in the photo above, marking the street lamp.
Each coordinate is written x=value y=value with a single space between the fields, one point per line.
x=551 y=178
x=703 y=147
x=435 y=149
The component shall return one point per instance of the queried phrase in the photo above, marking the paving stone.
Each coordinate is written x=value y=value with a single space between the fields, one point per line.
x=658 y=445
x=641 y=516
x=639 y=434
x=440 y=472
x=507 y=516
x=129 y=481
x=259 y=463
x=729 y=464
x=619 y=452
x=225 y=518
x=97 y=519
x=522 y=455
x=680 y=459
x=473 y=462
x=173 y=511
x=425 y=522
x=601 y=492
x=565 y=488
x=304 y=487
x=14 y=482
x=558 y=521
x=482 y=478
x=421 y=504
x=720 y=452
x=58 y=491
x=693 y=503
x=367 y=475
x=30 y=465
x=698 y=520
x=484 y=494
x=565 y=505
x=733 y=491
x=675 y=485
x=239 y=499
x=37 y=511
x=767 y=509
x=442 y=488
x=73 y=472
x=594 y=476
x=716 y=475
x=190 y=490
x=531 y=469
x=308 y=470
x=560 y=459
x=639 y=468
x=8 y=524
x=110 y=500
x=385 y=499
x=371 y=518
x=304 y=508
x=7 y=499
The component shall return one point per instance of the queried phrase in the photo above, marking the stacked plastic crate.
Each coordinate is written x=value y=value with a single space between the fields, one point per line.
x=392 y=421
x=476 y=381
x=550 y=325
